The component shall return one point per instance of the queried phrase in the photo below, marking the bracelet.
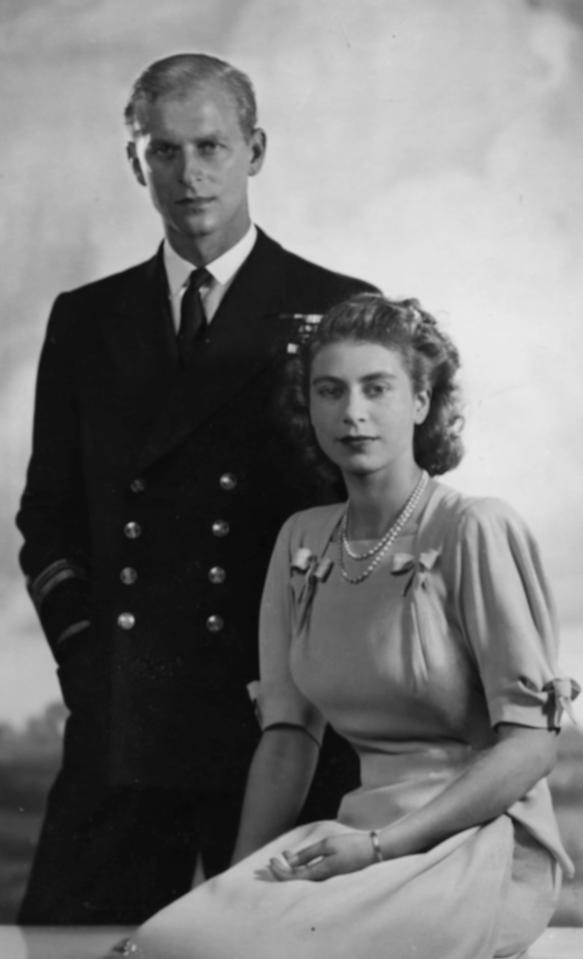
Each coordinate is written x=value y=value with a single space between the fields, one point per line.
x=376 y=846
x=125 y=949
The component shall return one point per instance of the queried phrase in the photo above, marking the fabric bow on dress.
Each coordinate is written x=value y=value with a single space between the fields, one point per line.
x=315 y=571
x=418 y=567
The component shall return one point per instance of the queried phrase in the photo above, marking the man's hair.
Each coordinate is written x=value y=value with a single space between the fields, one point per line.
x=177 y=75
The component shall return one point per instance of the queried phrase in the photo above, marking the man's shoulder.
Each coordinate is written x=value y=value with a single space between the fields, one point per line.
x=298 y=264
x=112 y=285
x=301 y=273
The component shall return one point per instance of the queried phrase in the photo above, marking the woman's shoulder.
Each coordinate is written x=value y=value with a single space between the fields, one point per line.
x=311 y=527
x=460 y=515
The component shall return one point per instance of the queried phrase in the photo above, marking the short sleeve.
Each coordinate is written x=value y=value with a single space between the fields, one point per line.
x=507 y=614
x=277 y=698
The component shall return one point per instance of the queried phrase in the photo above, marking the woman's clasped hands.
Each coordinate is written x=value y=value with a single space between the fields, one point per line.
x=333 y=856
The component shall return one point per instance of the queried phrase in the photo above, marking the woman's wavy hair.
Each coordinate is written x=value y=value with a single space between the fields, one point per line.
x=429 y=356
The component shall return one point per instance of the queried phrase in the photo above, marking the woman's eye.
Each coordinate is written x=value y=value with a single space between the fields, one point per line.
x=376 y=389
x=329 y=392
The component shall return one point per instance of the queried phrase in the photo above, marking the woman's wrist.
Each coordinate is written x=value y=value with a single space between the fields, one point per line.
x=393 y=841
x=377 y=852
x=387 y=843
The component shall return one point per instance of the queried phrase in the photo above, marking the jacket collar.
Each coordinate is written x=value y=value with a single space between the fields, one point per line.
x=243 y=338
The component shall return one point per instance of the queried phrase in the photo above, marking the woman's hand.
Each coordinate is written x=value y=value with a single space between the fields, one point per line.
x=333 y=856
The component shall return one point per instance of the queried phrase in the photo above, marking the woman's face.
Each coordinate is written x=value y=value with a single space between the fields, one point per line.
x=363 y=407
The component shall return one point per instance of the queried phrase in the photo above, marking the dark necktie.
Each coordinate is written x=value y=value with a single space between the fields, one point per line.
x=192 y=315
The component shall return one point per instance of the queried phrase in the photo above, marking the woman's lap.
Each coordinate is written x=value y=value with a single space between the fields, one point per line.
x=468 y=896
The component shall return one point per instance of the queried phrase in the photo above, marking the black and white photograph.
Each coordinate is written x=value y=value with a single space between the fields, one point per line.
x=290 y=431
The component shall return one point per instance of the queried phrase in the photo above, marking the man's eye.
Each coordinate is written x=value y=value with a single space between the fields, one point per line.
x=164 y=149
x=329 y=392
x=208 y=147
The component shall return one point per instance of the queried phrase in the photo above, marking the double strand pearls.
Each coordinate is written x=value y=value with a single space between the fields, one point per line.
x=382 y=545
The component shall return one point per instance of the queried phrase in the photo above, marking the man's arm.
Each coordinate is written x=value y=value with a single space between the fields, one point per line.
x=53 y=514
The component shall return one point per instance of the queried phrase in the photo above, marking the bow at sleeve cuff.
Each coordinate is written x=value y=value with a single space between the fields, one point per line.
x=561 y=692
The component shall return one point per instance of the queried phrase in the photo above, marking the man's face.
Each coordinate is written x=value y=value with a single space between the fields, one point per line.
x=193 y=157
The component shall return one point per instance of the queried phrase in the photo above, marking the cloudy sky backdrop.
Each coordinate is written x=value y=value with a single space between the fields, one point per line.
x=434 y=147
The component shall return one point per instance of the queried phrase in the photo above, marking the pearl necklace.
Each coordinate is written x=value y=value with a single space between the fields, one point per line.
x=381 y=547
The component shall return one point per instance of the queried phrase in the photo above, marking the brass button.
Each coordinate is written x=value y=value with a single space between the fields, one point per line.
x=128 y=575
x=132 y=530
x=137 y=485
x=221 y=528
x=217 y=575
x=126 y=620
x=215 y=623
x=228 y=482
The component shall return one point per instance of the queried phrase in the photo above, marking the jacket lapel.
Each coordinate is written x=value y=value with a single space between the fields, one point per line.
x=140 y=369
x=138 y=328
x=244 y=336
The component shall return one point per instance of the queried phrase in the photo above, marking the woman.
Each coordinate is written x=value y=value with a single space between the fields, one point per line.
x=418 y=622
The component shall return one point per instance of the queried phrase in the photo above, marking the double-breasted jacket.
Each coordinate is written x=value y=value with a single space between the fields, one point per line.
x=153 y=497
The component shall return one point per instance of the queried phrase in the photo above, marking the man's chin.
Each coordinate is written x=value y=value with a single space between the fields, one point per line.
x=198 y=227
x=186 y=236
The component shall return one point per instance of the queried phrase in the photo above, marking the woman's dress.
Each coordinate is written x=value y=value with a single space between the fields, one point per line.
x=451 y=635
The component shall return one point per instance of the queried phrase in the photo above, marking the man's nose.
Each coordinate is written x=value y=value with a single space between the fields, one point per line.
x=190 y=171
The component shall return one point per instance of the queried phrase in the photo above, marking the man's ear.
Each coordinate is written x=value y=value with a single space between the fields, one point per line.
x=132 y=155
x=258 y=145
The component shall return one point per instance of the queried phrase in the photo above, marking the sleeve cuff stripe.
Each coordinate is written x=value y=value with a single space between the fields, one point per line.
x=52 y=576
x=72 y=630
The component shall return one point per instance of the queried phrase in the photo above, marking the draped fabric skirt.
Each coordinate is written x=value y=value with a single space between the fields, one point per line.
x=487 y=891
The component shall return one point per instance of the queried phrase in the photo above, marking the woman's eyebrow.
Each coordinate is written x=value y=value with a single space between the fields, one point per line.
x=327 y=378
x=381 y=375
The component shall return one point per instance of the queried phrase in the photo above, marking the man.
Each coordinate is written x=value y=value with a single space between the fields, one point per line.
x=157 y=483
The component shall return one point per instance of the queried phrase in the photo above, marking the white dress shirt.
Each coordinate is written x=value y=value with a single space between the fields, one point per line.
x=222 y=270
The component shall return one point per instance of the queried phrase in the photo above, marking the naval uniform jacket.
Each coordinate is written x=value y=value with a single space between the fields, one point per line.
x=153 y=498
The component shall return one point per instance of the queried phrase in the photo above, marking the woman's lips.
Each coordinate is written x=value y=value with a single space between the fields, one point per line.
x=356 y=441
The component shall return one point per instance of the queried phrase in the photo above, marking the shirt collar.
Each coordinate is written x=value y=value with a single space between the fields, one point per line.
x=222 y=269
